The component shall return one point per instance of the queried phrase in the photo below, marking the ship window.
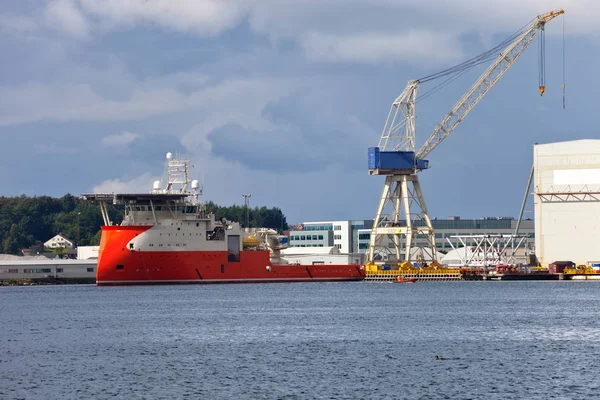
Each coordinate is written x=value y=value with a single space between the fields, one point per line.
x=59 y=270
x=90 y=270
x=178 y=229
x=120 y=266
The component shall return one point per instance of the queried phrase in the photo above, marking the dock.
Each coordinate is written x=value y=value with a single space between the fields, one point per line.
x=419 y=274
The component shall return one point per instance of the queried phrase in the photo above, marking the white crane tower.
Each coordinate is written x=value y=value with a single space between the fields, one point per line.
x=402 y=213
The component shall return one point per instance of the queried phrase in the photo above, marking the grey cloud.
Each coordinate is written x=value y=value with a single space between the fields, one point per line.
x=312 y=130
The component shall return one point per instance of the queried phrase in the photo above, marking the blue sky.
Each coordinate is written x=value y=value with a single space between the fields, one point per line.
x=280 y=99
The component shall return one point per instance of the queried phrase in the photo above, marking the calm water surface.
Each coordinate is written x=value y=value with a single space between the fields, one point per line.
x=500 y=340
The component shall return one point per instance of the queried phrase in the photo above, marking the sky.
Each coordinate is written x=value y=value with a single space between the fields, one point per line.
x=282 y=98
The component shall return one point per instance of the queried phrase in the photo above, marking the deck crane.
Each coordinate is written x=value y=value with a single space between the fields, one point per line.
x=395 y=156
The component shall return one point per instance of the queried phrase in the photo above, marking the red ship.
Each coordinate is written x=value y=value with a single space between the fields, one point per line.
x=167 y=237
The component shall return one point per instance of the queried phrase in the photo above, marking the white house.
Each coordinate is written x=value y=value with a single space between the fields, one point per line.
x=59 y=241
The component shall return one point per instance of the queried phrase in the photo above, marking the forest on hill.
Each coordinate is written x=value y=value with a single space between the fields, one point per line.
x=28 y=222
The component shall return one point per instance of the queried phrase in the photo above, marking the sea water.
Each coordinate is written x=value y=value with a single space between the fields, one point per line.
x=353 y=340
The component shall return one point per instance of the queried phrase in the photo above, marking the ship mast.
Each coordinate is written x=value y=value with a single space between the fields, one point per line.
x=178 y=181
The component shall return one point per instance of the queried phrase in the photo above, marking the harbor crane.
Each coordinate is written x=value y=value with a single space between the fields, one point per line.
x=402 y=213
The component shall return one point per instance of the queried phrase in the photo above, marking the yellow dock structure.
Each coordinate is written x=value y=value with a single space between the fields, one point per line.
x=581 y=273
x=433 y=272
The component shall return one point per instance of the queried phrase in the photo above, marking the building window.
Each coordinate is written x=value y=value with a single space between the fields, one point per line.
x=364 y=236
x=337 y=237
x=320 y=237
x=302 y=237
x=314 y=237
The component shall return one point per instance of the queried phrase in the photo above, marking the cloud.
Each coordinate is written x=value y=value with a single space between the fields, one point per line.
x=79 y=102
x=416 y=47
x=140 y=184
x=65 y=16
x=122 y=139
x=353 y=31
x=17 y=24
x=304 y=133
x=205 y=18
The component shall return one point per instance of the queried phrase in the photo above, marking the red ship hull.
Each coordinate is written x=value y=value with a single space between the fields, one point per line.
x=117 y=265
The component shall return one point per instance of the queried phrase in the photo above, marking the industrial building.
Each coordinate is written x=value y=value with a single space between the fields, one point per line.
x=567 y=201
x=37 y=268
x=341 y=234
x=353 y=236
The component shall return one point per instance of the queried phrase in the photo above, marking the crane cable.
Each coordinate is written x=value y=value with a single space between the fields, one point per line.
x=542 y=60
x=458 y=70
x=563 y=60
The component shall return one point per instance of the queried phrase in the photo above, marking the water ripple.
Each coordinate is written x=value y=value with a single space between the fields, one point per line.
x=534 y=340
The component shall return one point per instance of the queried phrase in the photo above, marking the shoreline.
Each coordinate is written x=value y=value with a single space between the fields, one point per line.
x=46 y=281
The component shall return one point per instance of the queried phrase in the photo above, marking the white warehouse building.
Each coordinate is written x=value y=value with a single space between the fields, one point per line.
x=567 y=201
